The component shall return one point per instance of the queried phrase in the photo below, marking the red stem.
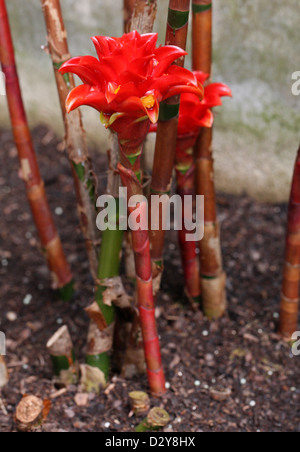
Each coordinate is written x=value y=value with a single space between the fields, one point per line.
x=189 y=256
x=146 y=303
x=50 y=241
x=289 y=306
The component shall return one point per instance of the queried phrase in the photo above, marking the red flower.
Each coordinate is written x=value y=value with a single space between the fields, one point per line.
x=195 y=113
x=129 y=80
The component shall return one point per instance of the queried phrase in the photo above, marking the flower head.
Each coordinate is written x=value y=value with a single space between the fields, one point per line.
x=195 y=113
x=129 y=79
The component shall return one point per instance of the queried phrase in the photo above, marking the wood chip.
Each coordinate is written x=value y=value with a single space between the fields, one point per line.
x=82 y=399
x=29 y=413
x=220 y=395
x=251 y=338
x=59 y=393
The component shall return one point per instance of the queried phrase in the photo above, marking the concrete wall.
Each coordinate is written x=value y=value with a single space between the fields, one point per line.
x=256 y=51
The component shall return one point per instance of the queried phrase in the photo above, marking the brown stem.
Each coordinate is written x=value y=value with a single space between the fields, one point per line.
x=289 y=306
x=50 y=241
x=139 y=15
x=128 y=12
x=189 y=256
x=81 y=166
x=213 y=279
x=164 y=159
x=202 y=35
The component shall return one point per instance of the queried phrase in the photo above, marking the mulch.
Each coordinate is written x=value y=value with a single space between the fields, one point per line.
x=240 y=353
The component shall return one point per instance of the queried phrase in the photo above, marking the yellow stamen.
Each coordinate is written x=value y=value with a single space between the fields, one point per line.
x=148 y=101
x=117 y=90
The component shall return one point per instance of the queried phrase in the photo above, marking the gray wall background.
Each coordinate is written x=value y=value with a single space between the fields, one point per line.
x=256 y=50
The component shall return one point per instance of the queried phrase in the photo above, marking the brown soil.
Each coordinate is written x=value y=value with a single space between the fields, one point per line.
x=240 y=353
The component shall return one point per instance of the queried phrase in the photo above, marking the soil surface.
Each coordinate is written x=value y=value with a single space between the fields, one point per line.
x=240 y=353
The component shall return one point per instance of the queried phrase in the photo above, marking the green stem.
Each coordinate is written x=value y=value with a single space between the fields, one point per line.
x=61 y=363
x=66 y=293
x=109 y=264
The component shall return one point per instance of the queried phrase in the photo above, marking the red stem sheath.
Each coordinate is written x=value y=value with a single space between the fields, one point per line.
x=189 y=256
x=146 y=303
x=50 y=241
x=139 y=15
x=289 y=306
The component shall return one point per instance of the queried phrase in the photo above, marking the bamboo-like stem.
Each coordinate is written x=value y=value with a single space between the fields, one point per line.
x=146 y=304
x=289 y=306
x=164 y=159
x=140 y=402
x=83 y=175
x=157 y=419
x=61 y=351
x=130 y=7
x=102 y=312
x=213 y=278
x=51 y=244
x=101 y=331
x=100 y=339
x=202 y=35
x=29 y=413
x=131 y=177
x=185 y=172
x=139 y=15
x=128 y=12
